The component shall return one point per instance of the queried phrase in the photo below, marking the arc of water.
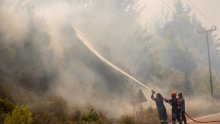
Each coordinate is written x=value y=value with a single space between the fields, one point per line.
x=86 y=43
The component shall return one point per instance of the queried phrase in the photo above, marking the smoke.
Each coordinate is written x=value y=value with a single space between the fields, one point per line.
x=41 y=52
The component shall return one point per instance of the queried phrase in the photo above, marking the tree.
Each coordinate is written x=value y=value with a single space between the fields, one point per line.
x=182 y=46
x=6 y=107
x=20 y=115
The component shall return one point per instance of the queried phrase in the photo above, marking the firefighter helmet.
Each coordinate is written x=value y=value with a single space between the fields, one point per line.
x=173 y=94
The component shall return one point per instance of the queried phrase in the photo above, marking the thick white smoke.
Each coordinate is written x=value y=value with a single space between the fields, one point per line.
x=50 y=58
x=40 y=51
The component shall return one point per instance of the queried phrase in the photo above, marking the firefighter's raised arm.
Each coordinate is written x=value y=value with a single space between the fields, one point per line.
x=152 y=95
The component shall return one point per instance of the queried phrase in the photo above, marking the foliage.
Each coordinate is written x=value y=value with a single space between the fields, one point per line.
x=93 y=116
x=58 y=106
x=20 y=115
x=6 y=107
x=51 y=110
x=24 y=63
x=127 y=119
x=44 y=117
x=75 y=116
x=147 y=116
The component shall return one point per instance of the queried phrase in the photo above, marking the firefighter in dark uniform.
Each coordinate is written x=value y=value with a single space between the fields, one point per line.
x=160 y=107
x=181 y=107
x=174 y=104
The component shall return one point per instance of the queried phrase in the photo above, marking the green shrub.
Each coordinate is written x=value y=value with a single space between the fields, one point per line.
x=20 y=115
x=6 y=107
x=92 y=116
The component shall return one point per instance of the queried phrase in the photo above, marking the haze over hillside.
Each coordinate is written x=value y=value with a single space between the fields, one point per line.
x=41 y=54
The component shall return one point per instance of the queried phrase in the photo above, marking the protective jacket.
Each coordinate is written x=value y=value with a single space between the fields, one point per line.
x=181 y=104
x=173 y=103
x=175 y=113
x=161 y=109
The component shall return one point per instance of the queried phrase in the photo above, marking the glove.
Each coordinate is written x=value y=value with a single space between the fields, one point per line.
x=153 y=91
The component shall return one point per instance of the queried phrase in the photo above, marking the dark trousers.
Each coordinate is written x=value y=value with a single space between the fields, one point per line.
x=164 y=122
x=176 y=117
x=162 y=115
x=183 y=117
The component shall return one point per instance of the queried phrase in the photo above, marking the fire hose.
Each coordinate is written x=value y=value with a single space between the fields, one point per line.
x=200 y=121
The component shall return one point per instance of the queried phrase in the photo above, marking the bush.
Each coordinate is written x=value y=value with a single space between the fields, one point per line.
x=20 y=115
x=44 y=117
x=58 y=106
x=75 y=116
x=6 y=107
x=148 y=116
x=92 y=116
x=50 y=111
x=127 y=119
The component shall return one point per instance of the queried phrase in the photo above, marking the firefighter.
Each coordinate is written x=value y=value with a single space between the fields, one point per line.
x=174 y=104
x=160 y=107
x=181 y=107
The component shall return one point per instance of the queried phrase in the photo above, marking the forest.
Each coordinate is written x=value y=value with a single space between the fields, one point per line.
x=47 y=76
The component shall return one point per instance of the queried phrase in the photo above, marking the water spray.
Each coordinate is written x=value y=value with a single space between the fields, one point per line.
x=86 y=43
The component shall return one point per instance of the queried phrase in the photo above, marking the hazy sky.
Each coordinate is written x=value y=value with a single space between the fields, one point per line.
x=210 y=8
